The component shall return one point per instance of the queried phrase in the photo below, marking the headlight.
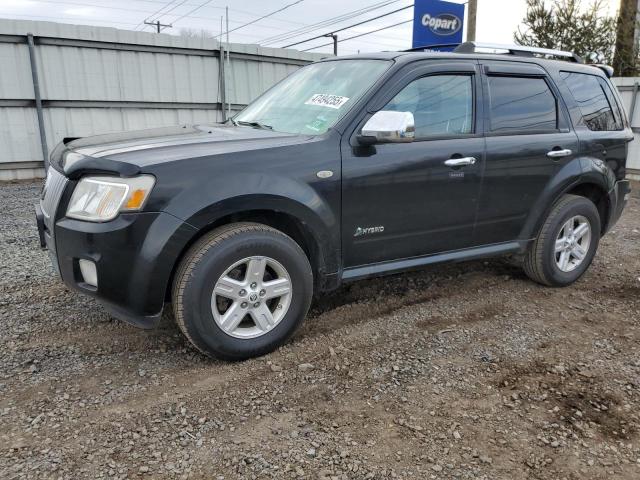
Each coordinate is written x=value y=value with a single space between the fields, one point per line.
x=100 y=199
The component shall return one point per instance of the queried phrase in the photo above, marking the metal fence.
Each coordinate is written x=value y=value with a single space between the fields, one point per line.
x=60 y=80
x=629 y=89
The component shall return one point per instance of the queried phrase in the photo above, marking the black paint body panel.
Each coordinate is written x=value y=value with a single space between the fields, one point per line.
x=430 y=212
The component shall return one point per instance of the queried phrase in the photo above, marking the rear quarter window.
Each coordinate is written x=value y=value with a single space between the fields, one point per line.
x=593 y=101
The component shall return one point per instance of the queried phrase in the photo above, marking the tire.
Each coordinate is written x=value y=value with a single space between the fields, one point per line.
x=214 y=276
x=543 y=264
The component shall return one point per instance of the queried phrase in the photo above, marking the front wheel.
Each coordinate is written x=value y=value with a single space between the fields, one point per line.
x=566 y=244
x=242 y=290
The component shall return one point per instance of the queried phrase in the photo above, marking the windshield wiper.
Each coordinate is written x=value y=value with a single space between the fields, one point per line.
x=254 y=124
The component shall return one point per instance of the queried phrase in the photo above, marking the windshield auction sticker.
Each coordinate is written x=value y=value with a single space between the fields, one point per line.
x=326 y=100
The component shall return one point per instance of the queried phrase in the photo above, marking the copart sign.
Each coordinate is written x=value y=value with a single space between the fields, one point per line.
x=437 y=22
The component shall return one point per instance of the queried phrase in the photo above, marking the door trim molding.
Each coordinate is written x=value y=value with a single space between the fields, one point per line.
x=395 y=266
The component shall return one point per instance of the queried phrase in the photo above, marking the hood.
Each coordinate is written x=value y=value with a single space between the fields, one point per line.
x=152 y=146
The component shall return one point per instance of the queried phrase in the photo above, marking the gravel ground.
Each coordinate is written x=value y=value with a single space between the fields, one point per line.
x=465 y=371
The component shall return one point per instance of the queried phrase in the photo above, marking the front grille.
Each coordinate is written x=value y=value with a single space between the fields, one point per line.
x=53 y=189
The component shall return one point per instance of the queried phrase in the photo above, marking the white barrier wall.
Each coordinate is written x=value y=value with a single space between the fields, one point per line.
x=97 y=80
x=629 y=89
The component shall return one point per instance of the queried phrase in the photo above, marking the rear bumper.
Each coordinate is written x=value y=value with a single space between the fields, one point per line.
x=134 y=257
x=618 y=198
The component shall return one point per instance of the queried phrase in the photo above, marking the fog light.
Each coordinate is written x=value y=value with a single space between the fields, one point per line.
x=89 y=272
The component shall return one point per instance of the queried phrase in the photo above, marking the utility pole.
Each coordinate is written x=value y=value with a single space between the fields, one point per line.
x=335 y=42
x=222 y=76
x=228 y=59
x=159 y=26
x=472 y=10
x=624 y=61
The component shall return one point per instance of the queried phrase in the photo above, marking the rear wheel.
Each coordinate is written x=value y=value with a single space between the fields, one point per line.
x=242 y=291
x=566 y=244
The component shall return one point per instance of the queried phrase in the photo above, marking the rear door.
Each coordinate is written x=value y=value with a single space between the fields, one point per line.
x=600 y=122
x=528 y=140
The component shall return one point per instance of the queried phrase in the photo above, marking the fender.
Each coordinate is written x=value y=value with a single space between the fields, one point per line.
x=580 y=170
x=598 y=172
x=238 y=193
x=204 y=183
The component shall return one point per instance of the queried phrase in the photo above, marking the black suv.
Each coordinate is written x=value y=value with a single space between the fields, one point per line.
x=350 y=168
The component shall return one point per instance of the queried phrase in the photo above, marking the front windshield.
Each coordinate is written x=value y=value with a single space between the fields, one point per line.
x=314 y=98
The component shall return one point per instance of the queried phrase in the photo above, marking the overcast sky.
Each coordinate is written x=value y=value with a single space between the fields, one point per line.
x=497 y=19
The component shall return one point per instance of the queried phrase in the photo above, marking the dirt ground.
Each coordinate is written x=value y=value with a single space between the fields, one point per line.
x=466 y=371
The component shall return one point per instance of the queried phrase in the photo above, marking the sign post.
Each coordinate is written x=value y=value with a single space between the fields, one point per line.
x=436 y=22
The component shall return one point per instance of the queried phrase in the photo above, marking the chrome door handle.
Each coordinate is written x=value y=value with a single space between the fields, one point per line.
x=559 y=153
x=460 y=162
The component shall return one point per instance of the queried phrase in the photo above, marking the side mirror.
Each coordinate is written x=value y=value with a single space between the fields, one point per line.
x=388 y=127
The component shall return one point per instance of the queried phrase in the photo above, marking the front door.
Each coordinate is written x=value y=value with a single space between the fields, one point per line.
x=403 y=200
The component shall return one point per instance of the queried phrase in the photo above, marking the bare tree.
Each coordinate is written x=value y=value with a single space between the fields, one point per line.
x=195 y=33
x=566 y=25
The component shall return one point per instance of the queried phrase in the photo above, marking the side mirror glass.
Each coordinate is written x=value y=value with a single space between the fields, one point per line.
x=388 y=127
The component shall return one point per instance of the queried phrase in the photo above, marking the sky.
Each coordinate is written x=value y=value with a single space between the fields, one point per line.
x=496 y=20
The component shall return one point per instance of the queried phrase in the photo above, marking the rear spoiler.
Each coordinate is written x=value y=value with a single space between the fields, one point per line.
x=608 y=71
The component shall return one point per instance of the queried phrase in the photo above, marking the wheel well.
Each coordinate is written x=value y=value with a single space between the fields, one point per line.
x=598 y=196
x=284 y=222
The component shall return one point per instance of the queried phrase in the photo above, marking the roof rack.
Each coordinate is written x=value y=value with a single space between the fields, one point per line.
x=519 y=50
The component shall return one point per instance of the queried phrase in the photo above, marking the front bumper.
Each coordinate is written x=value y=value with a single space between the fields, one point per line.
x=134 y=256
x=618 y=199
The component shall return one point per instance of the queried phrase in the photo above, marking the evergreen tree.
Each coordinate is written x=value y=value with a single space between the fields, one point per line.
x=566 y=25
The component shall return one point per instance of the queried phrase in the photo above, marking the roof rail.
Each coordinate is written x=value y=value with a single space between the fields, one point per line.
x=520 y=50
x=436 y=47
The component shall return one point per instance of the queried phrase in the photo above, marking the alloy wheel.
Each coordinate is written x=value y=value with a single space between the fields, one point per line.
x=572 y=243
x=251 y=297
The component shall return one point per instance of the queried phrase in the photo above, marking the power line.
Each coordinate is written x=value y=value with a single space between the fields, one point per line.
x=171 y=7
x=159 y=26
x=350 y=26
x=360 y=35
x=265 y=16
x=81 y=4
x=157 y=23
x=170 y=10
x=192 y=11
x=155 y=2
x=293 y=22
x=325 y=23
x=160 y=13
x=154 y=13
x=67 y=19
x=146 y=12
x=149 y=13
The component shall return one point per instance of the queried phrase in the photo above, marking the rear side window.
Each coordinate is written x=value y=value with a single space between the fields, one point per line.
x=589 y=94
x=521 y=104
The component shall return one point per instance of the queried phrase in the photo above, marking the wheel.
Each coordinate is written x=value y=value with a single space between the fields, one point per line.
x=566 y=244
x=241 y=291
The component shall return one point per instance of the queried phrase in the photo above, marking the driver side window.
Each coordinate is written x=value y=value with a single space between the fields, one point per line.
x=442 y=105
